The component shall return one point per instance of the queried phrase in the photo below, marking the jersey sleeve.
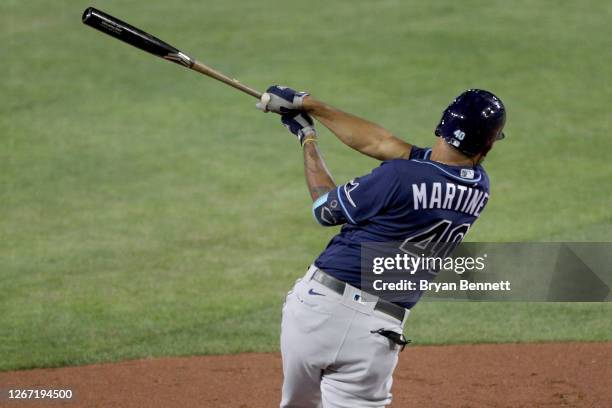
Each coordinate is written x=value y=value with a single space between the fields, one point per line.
x=418 y=152
x=327 y=211
x=365 y=197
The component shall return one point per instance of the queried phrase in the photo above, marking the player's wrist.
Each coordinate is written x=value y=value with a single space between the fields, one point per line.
x=310 y=104
x=298 y=100
x=309 y=139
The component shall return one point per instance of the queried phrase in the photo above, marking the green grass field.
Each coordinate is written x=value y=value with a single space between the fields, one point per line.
x=149 y=211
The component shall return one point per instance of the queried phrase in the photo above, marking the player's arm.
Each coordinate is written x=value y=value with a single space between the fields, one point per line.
x=360 y=134
x=318 y=179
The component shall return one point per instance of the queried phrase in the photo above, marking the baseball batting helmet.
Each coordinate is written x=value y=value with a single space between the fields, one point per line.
x=473 y=121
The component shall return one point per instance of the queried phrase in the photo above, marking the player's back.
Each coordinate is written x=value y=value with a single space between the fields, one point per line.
x=416 y=200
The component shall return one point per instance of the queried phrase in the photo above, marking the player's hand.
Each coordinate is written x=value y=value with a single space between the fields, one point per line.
x=301 y=125
x=281 y=100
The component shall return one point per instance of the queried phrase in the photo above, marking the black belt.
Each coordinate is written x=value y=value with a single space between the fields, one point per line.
x=338 y=286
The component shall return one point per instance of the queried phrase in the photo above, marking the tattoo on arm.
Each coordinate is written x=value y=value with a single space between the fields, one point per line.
x=318 y=178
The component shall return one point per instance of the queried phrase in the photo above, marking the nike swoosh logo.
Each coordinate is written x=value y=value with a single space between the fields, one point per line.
x=312 y=292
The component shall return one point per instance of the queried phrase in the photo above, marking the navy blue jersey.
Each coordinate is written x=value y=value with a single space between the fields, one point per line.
x=403 y=199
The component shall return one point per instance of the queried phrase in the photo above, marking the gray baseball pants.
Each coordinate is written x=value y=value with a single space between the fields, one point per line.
x=330 y=357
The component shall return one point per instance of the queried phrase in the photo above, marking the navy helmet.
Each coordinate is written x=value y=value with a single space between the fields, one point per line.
x=473 y=121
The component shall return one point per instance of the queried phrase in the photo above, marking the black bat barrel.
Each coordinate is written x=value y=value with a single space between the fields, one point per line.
x=133 y=36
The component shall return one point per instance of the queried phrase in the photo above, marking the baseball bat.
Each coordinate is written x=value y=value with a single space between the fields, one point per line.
x=153 y=45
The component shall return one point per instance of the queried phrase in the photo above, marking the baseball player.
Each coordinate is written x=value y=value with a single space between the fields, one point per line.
x=338 y=350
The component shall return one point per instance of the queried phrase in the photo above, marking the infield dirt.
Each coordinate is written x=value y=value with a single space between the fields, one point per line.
x=500 y=375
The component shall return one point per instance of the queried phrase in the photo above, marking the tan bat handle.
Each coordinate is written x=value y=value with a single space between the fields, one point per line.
x=208 y=71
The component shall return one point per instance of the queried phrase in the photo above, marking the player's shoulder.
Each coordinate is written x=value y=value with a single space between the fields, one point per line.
x=419 y=167
x=418 y=155
x=484 y=182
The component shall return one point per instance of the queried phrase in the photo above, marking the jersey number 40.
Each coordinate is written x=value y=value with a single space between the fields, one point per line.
x=436 y=241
